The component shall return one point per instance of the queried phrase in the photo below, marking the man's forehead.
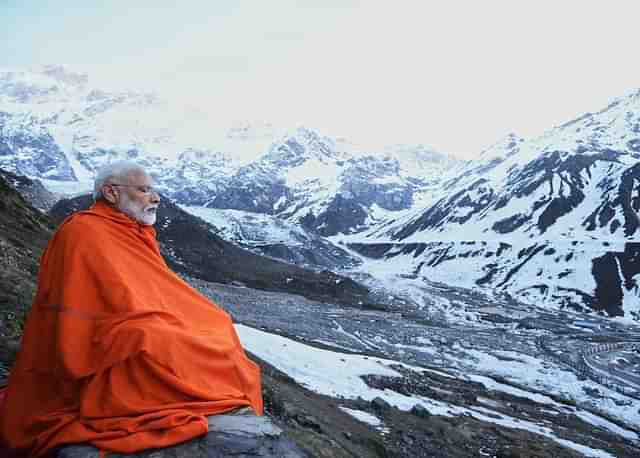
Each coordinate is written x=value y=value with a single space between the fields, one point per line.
x=139 y=178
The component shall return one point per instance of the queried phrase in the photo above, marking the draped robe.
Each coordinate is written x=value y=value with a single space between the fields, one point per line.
x=117 y=350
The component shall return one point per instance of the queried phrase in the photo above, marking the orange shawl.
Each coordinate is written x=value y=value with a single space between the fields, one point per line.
x=118 y=351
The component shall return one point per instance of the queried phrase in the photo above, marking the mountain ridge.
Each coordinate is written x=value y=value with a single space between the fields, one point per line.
x=566 y=204
x=577 y=182
x=198 y=164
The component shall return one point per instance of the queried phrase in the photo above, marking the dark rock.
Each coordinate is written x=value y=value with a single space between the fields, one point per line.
x=78 y=451
x=612 y=272
x=229 y=435
x=308 y=421
x=380 y=404
x=594 y=392
x=420 y=411
x=342 y=214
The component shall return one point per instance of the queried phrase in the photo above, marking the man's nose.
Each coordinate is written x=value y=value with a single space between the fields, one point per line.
x=155 y=197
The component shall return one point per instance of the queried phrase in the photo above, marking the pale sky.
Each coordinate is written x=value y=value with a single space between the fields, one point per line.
x=455 y=75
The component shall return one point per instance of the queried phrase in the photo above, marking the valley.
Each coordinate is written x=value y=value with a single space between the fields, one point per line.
x=478 y=357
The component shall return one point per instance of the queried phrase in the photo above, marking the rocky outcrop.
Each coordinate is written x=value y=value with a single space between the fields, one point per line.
x=371 y=180
x=31 y=190
x=341 y=215
x=615 y=273
x=252 y=189
x=229 y=435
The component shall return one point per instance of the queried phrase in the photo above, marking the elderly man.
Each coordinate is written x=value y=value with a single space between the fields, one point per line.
x=118 y=351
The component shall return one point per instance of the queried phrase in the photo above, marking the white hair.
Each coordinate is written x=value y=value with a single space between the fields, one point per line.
x=119 y=170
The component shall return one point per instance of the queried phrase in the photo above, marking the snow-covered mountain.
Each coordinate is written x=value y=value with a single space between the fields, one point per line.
x=55 y=126
x=274 y=237
x=552 y=220
x=27 y=147
x=305 y=177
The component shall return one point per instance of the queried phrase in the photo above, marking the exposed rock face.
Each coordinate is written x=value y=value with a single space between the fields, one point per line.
x=32 y=190
x=198 y=177
x=554 y=185
x=274 y=237
x=291 y=173
x=341 y=215
x=305 y=178
x=371 y=180
x=252 y=189
x=615 y=274
x=364 y=182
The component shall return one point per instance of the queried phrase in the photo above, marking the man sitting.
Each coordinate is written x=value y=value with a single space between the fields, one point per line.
x=117 y=350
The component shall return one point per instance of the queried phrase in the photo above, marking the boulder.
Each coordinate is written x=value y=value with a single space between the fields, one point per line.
x=229 y=435
x=380 y=405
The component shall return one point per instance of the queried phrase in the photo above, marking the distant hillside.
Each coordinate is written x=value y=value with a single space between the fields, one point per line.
x=24 y=232
x=552 y=220
x=31 y=190
x=271 y=236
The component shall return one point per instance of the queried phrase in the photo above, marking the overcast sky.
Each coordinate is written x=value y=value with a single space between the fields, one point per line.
x=455 y=75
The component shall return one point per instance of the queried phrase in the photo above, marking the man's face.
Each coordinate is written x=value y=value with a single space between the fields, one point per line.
x=135 y=197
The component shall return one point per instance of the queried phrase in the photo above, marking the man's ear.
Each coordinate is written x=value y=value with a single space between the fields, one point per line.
x=110 y=194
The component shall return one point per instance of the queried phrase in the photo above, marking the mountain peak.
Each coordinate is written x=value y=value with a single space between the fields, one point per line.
x=65 y=75
x=303 y=144
x=505 y=147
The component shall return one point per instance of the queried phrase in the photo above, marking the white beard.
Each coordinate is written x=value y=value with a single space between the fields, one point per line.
x=143 y=215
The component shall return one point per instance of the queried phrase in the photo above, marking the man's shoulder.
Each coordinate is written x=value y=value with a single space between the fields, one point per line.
x=82 y=225
x=80 y=220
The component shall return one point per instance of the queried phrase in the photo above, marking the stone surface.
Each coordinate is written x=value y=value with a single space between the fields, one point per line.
x=229 y=435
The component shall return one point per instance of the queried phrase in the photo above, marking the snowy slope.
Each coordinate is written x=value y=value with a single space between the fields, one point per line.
x=551 y=220
x=317 y=370
x=271 y=236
